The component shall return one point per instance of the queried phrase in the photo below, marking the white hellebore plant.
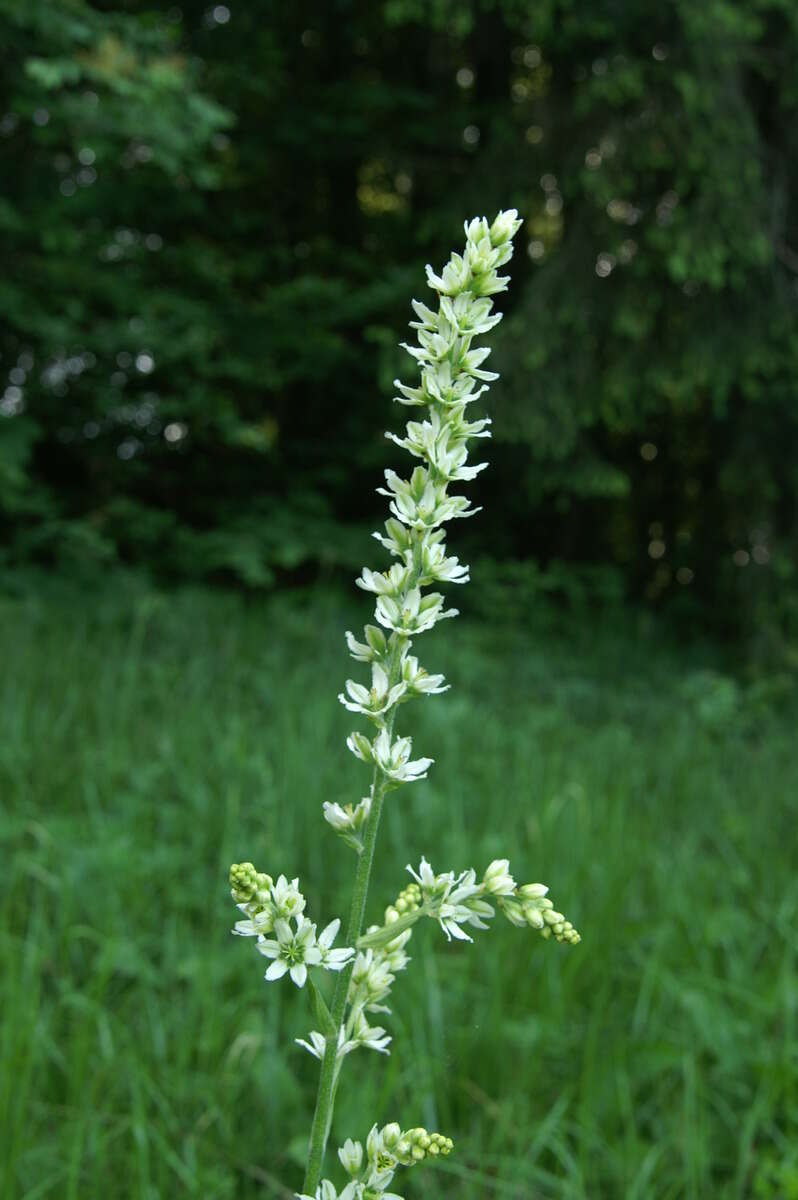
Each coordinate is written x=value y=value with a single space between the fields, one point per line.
x=451 y=378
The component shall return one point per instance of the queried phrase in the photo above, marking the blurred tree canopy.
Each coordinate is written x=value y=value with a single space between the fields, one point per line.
x=214 y=217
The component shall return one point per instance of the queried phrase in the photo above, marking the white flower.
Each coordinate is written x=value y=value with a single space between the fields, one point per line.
x=332 y=960
x=481 y=257
x=437 y=441
x=347 y=817
x=394 y=759
x=412 y=397
x=438 y=383
x=436 y=567
x=436 y=890
x=318 y=1044
x=389 y=583
x=424 y=877
x=287 y=899
x=372 y=703
x=412 y=614
x=462 y=428
x=372 y=976
x=360 y=746
x=497 y=880
x=372 y=1037
x=420 y=504
x=397 y=539
x=489 y=286
x=452 y=900
x=505 y=227
x=428 y=319
x=476 y=229
x=380 y=1152
x=351 y=1156
x=471 y=363
x=453 y=278
x=373 y=648
x=434 y=347
x=419 y=682
x=292 y=952
x=261 y=924
x=393 y=952
x=469 y=315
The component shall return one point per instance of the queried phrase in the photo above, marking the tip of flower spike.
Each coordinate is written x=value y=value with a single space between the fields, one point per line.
x=505 y=227
x=415 y=1145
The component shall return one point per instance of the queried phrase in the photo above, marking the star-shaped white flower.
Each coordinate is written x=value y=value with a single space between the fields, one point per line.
x=287 y=899
x=452 y=900
x=332 y=960
x=373 y=1037
x=394 y=759
x=318 y=1044
x=292 y=951
x=375 y=701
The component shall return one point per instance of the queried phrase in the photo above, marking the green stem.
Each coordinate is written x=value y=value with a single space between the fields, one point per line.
x=387 y=933
x=325 y=1095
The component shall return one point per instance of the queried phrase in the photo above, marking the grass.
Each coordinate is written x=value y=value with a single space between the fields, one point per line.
x=149 y=741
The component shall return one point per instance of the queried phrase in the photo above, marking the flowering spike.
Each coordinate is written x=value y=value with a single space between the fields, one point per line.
x=451 y=375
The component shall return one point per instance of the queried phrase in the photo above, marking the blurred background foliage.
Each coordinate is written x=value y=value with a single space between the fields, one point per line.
x=214 y=217
x=151 y=738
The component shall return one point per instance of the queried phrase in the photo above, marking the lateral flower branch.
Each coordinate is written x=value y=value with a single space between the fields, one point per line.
x=452 y=378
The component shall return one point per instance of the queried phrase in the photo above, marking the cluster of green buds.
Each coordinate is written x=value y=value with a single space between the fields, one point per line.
x=409 y=900
x=386 y=1150
x=249 y=886
x=530 y=905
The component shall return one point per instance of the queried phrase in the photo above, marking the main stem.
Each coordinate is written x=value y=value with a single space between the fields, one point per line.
x=327 y=1079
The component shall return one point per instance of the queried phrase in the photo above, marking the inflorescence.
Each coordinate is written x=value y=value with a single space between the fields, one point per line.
x=452 y=377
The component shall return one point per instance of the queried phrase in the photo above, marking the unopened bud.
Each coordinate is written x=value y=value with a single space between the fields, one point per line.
x=351 y=1156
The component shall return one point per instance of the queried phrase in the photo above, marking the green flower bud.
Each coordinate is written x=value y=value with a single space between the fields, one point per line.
x=351 y=1156
x=408 y=901
x=391 y=1135
x=532 y=891
x=497 y=880
x=245 y=882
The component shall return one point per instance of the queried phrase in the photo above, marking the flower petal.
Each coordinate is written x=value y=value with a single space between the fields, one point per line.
x=276 y=970
x=268 y=947
x=299 y=974
x=329 y=934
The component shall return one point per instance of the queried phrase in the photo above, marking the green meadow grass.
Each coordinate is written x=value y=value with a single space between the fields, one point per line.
x=150 y=740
